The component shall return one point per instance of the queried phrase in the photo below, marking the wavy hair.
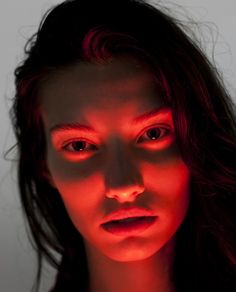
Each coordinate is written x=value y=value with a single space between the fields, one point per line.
x=205 y=125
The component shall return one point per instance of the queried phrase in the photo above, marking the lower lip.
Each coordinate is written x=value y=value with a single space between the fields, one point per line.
x=130 y=228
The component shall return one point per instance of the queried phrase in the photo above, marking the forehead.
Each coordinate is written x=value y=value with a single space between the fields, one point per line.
x=120 y=84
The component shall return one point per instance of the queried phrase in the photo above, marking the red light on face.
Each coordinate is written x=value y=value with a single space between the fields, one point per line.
x=112 y=144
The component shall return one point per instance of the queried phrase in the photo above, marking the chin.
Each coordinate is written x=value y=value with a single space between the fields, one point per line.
x=132 y=249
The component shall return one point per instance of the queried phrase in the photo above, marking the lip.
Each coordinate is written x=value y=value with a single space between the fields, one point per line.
x=128 y=212
x=129 y=228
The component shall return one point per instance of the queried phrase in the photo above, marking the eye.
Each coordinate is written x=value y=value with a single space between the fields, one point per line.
x=79 y=146
x=154 y=134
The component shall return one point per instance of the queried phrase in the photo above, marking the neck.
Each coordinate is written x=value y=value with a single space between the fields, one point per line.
x=151 y=274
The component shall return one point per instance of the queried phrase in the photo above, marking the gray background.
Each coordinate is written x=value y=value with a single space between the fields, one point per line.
x=18 y=20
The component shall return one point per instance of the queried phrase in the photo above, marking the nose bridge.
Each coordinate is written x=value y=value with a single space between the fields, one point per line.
x=123 y=179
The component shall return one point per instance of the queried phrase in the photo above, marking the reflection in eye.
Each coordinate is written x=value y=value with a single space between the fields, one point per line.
x=152 y=135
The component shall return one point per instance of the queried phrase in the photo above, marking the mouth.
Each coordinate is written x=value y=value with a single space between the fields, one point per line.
x=129 y=226
x=128 y=219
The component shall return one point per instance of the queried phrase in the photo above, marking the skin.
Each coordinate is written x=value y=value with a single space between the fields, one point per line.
x=118 y=172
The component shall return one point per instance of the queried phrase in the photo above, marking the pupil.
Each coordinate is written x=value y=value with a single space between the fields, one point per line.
x=154 y=133
x=78 y=145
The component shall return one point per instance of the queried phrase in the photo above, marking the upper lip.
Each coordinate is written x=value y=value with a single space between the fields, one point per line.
x=128 y=212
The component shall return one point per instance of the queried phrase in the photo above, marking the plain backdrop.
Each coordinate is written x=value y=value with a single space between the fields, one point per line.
x=18 y=21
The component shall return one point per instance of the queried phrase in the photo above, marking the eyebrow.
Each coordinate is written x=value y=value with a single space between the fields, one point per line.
x=88 y=129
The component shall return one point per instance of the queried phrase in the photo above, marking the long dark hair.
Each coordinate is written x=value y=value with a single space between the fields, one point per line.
x=205 y=125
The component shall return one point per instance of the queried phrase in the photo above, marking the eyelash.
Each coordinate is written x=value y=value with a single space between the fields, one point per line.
x=64 y=147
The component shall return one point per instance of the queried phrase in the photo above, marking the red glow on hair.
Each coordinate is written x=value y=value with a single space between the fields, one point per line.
x=100 y=44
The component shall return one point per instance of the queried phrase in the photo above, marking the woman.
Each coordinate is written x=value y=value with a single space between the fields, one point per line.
x=126 y=139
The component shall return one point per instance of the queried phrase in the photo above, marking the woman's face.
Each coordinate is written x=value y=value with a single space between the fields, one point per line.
x=103 y=156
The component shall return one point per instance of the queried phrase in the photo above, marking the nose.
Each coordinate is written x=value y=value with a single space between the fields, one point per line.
x=123 y=179
x=125 y=194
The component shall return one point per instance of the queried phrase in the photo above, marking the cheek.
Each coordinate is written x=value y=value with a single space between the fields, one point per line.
x=75 y=185
x=171 y=184
x=66 y=174
x=80 y=198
